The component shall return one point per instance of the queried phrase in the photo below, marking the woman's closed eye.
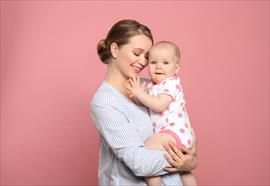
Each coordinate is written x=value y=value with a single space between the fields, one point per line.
x=136 y=54
x=146 y=55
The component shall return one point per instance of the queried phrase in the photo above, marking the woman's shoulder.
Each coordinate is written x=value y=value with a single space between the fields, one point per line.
x=106 y=95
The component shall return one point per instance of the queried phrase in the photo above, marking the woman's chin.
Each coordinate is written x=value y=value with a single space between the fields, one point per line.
x=132 y=75
x=135 y=73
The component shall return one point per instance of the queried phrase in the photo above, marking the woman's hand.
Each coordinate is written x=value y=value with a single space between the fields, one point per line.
x=181 y=159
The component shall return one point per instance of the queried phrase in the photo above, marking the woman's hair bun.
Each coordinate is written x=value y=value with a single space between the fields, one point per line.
x=103 y=51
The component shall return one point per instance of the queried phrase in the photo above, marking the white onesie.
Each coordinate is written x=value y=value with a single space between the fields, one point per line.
x=174 y=120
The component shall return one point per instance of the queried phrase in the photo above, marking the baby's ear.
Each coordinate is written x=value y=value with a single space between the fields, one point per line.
x=114 y=50
x=177 y=68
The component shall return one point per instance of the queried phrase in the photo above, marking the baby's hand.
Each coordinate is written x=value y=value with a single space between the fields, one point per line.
x=135 y=87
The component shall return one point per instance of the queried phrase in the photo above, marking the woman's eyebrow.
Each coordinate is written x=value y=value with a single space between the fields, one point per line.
x=140 y=49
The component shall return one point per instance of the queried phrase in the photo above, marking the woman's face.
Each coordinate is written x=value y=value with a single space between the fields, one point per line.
x=131 y=58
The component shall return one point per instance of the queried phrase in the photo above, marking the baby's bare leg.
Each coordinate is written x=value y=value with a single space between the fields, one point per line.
x=188 y=179
x=153 y=181
x=156 y=142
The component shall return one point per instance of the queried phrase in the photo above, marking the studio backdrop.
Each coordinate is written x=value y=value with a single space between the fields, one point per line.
x=50 y=72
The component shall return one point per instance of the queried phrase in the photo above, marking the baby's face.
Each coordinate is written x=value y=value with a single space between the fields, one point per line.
x=162 y=63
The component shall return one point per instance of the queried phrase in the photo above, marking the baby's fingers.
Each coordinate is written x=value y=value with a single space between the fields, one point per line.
x=144 y=85
x=129 y=86
x=138 y=81
x=131 y=82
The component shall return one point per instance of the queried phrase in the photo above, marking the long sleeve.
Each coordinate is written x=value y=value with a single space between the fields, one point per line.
x=123 y=138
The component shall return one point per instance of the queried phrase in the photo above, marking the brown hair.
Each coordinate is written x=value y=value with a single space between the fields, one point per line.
x=120 y=34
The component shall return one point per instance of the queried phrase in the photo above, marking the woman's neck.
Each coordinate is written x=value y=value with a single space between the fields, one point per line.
x=116 y=79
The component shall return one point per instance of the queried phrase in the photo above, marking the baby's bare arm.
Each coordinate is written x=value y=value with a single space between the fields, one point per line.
x=156 y=103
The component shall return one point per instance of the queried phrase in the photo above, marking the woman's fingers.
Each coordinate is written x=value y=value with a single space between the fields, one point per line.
x=169 y=149
x=171 y=161
x=187 y=151
x=176 y=150
x=182 y=159
x=174 y=156
x=171 y=169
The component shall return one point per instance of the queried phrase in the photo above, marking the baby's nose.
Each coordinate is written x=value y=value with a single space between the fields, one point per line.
x=158 y=65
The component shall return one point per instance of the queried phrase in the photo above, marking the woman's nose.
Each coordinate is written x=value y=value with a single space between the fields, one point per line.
x=143 y=61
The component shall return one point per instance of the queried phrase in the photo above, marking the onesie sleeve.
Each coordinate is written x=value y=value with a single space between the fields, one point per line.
x=170 y=86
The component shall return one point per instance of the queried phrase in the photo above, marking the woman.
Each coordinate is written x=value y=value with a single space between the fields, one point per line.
x=123 y=125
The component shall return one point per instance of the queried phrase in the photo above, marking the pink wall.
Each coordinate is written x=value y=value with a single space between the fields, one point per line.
x=50 y=70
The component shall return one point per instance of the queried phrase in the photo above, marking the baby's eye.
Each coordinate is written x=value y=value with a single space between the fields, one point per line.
x=165 y=62
x=153 y=62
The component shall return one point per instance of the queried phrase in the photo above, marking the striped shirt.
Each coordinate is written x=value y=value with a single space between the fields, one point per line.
x=123 y=128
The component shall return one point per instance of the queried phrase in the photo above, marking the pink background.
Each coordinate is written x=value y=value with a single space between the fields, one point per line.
x=50 y=71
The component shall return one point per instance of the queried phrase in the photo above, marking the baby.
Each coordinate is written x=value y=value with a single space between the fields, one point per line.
x=165 y=100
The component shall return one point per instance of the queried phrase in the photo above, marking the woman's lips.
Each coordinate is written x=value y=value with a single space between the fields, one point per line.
x=136 y=68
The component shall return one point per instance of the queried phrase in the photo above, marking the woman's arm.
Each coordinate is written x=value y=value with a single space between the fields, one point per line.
x=123 y=139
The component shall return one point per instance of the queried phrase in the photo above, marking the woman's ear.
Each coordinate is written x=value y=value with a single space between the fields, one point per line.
x=114 y=50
